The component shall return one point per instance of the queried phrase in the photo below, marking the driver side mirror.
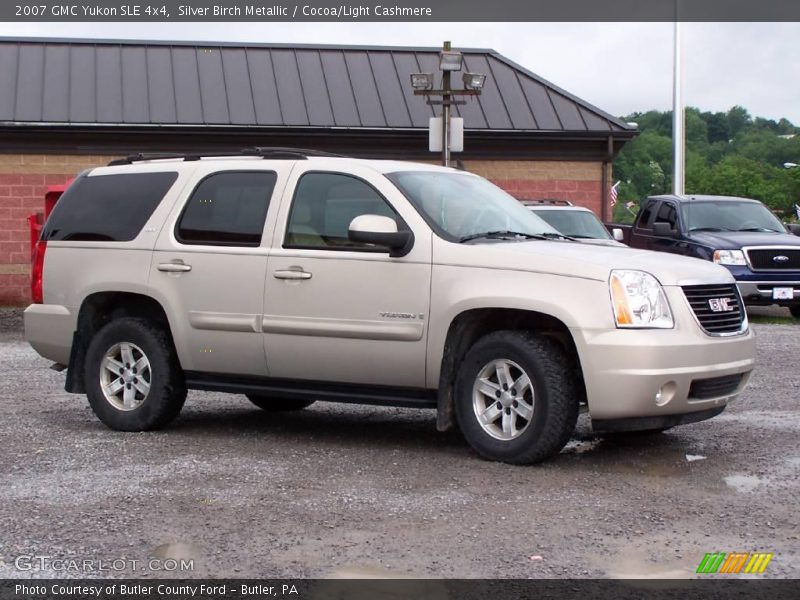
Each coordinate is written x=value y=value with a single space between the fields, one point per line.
x=664 y=230
x=380 y=231
x=617 y=234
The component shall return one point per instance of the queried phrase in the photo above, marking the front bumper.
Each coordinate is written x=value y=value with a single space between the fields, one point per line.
x=756 y=287
x=625 y=369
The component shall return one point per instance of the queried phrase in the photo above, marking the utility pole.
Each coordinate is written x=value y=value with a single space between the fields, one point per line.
x=678 y=118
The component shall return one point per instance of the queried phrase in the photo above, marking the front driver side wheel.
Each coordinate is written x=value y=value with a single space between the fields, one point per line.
x=516 y=399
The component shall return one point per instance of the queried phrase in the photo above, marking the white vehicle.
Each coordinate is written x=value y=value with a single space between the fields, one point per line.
x=574 y=221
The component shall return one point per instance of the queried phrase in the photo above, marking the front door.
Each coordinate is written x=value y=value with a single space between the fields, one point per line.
x=340 y=311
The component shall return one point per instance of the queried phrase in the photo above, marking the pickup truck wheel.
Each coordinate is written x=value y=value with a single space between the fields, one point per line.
x=515 y=399
x=278 y=404
x=795 y=310
x=133 y=379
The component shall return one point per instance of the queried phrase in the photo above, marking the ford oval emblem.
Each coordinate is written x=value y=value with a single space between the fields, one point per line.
x=780 y=258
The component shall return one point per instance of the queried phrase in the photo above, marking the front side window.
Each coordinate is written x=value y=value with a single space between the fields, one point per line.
x=644 y=218
x=667 y=213
x=227 y=209
x=324 y=205
x=460 y=206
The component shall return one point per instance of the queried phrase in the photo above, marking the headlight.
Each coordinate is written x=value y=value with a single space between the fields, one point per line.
x=729 y=257
x=639 y=300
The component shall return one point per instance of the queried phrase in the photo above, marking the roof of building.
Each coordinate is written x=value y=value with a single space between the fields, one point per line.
x=189 y=84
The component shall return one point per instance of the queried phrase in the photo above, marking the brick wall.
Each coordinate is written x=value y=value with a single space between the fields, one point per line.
x=24 y=179
x=578 y=182
x=23 y=183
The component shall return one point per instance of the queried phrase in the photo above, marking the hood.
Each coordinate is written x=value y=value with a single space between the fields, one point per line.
x=577 y=259
x=734 y=240
x=601 y=242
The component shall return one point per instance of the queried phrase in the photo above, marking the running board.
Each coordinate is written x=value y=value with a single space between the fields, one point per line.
x=299 y=389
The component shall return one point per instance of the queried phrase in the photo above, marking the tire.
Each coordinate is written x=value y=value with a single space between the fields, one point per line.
x=795 y=310
x=552 y=394
x=134 y=406
x=270 y=404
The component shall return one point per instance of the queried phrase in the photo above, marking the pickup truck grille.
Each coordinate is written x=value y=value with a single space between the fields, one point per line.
x=773 y=259
x=715 y=387
x=709 y=303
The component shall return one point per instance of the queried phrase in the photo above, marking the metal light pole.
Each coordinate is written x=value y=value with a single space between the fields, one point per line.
x=446 y=99
x=678 y=118
x=449 y=60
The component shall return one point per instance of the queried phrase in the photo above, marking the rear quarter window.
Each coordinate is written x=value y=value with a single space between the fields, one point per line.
x=107 y=208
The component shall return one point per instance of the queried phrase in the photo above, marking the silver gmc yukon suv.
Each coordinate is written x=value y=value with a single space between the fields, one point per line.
x=291 y=276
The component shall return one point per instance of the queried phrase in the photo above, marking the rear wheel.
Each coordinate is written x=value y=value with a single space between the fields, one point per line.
x=278 y=404
x=795 y=310
x=132 y=376
x=516 y=401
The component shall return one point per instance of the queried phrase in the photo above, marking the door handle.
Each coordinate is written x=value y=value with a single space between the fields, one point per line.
x=291 y=274
x=174 y=267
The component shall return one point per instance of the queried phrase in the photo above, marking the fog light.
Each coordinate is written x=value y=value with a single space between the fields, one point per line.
x=665 y=393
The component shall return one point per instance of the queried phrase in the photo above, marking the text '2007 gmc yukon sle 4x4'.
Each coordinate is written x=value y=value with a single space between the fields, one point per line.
x=291 y=277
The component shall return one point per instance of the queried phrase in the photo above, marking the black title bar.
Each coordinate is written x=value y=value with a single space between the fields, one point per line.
x=399 y=10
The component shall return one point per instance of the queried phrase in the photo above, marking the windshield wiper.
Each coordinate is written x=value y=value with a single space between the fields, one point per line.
x=506 y=234
x=709 y=229
x=759 y=229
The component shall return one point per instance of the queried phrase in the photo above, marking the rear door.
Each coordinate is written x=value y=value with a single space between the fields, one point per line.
x=209 y=265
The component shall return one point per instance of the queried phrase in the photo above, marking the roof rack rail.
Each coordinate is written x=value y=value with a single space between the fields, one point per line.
x=275 y=153
x=553 y=201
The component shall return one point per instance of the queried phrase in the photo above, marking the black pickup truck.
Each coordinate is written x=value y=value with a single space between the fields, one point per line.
x=738 y=233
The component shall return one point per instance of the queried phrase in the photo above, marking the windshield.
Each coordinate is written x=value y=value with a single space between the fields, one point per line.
x=575 y=223
x=458 y=206
x=729 y=216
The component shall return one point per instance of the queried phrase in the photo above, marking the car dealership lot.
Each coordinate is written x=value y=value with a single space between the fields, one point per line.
x=349 y=489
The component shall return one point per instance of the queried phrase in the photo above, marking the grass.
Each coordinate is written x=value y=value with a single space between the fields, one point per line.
x=770 y=320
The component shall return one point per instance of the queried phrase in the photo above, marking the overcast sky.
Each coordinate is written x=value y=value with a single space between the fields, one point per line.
x=620 y=67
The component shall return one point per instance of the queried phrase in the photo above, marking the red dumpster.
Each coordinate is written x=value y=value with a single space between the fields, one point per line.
x=35 y=222
x=37 y=219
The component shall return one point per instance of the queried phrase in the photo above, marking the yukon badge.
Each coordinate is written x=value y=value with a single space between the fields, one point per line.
x=402 y=315
x=720 y=305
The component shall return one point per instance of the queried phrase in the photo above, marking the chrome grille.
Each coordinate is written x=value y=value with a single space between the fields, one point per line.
x=774 y=259
x=701 y=297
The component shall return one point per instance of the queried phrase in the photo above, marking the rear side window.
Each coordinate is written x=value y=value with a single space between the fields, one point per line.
x=227 y=209
x=107 y=208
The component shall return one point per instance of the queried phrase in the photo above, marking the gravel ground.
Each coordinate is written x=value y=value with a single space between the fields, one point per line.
x=358 y=491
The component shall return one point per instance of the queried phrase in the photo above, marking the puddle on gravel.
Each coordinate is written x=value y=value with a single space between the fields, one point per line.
x=745 y=483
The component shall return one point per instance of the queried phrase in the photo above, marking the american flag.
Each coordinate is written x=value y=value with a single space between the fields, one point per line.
x=613 y=193
x=797 y=211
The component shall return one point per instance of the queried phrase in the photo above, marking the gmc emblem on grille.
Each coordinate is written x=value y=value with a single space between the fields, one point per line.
x=780 y=258
x=720 y=305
